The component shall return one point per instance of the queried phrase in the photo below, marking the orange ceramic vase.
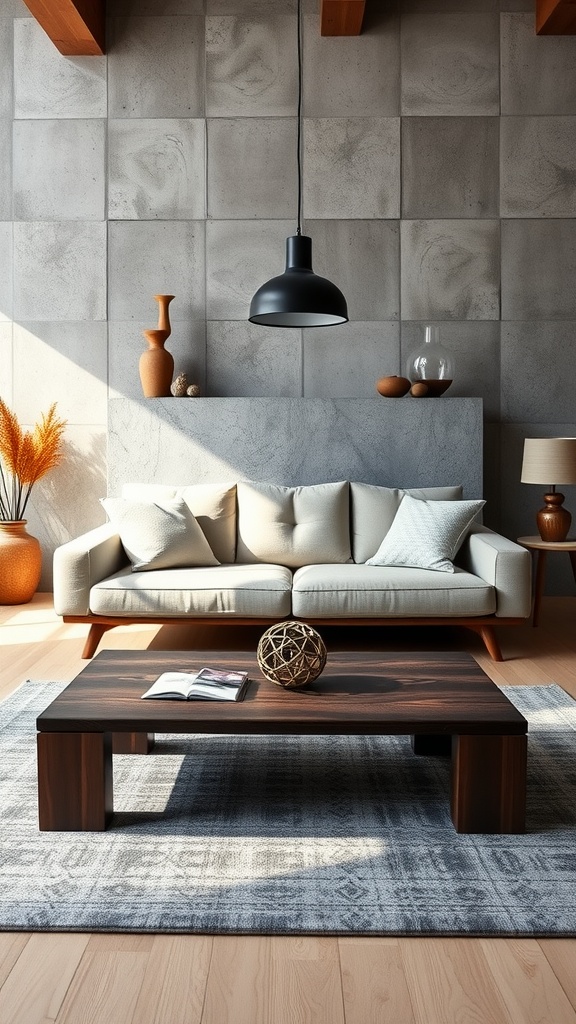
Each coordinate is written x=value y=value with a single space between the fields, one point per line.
x=156 y=365
x=163 y=313
x=20 y=563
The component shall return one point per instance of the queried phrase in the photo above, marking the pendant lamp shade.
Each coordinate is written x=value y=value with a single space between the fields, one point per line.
x=298 y=297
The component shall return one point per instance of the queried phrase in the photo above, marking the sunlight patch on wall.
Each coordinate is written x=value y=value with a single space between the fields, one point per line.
x=64 y=363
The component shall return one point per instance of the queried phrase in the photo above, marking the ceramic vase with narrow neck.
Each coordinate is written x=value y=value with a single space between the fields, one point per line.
x=156 y=365
x=163 y=312
x=20 y=563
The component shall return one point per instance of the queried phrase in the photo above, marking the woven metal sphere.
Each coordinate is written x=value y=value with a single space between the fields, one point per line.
x=291 y=654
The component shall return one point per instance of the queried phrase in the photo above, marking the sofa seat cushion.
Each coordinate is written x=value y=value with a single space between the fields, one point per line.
x=234 y=590
x=370 y=591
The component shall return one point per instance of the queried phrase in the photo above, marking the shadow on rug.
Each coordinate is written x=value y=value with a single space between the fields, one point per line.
x=315 y=835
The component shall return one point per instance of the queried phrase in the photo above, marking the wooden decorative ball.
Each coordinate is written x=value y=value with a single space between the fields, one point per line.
x=419 y=389
x=291 y=654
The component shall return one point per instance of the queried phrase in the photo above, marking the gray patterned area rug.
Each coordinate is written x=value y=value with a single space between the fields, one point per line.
x=284 y=835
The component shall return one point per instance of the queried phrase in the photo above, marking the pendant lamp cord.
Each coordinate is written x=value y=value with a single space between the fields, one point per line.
x=299 y=142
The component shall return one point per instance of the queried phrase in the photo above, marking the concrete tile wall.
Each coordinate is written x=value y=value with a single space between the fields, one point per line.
x=250 y=70
x=59 y=170
x=449 y=63
x=155 y=67
x=450 y=269
x=439 y=185
x=45 y=86
x=460 y=155
x=156 y=169
x=6 y=275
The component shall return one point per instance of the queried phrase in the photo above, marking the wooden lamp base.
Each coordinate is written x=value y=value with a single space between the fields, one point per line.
x=553 y=521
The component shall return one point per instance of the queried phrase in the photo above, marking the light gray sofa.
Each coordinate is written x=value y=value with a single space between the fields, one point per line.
x=298 y=553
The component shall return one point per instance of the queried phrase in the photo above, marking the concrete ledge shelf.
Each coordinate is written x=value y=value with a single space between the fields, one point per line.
x=405 y=443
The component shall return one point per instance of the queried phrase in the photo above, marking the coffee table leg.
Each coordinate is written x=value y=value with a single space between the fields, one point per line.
x=489 y=784
x=432 y=744
x=74 y=781
x=132 y=742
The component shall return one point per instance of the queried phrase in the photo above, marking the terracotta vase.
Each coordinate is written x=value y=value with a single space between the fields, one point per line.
x=20 y=563
x=163 y=313
x=156 y=364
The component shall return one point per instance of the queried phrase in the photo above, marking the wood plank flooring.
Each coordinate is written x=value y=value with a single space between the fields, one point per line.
x=58 y=978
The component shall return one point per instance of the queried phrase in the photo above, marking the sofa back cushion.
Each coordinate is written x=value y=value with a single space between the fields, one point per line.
x=374 y=509
x=293 y=526
x=212 y=505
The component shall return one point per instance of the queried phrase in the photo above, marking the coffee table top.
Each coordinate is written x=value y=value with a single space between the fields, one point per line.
x=358 y=693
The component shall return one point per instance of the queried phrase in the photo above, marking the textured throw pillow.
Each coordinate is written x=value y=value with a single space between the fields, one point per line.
x=426 y=534
x=212 y=505
x=159 y=534
x=373 y=508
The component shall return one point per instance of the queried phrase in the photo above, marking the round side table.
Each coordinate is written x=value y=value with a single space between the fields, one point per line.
x=539 y=549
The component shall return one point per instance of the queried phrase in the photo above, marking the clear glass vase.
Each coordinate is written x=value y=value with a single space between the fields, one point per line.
x=431 y=364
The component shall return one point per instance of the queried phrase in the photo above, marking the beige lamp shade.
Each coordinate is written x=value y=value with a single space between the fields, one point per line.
x=549 y=460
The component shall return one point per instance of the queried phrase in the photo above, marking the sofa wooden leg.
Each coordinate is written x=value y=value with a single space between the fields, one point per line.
x=492 y=646
x=95 y=634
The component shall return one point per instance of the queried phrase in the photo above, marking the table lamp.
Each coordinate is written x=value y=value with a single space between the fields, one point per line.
x=549 y=459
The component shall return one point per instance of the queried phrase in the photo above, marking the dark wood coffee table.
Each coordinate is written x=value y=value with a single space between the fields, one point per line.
x=445 y=702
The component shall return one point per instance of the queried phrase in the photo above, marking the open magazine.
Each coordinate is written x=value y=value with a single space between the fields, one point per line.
x=207 y=684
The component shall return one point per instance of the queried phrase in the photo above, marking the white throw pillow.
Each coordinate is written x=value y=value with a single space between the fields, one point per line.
x=159 y=534
x=212 y=505
x=426 y=534
x=373 y=508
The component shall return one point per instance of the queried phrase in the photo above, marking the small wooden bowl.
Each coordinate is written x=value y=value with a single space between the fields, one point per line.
x=393 y=387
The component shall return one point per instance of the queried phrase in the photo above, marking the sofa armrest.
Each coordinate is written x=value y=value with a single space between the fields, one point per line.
x=503 y=564
x=81 y=563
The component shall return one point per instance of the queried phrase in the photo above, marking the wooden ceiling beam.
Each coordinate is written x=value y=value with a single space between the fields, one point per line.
x=555 y=17
x=341 y=17
x=76 y=27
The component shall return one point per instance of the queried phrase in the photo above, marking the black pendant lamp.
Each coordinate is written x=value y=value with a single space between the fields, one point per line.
x=298 y=297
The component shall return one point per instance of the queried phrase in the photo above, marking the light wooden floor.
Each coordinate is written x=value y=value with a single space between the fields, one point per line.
x=163 y=979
